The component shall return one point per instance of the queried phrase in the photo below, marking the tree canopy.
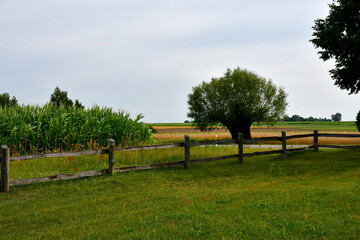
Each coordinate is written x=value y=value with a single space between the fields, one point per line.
x=358 y=121
x=336 y=117
x=60 y=98
x=6 y=101
x=236 y=100
x=338 y=37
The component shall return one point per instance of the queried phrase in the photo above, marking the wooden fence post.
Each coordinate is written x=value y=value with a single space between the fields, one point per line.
x=241 y=147
x=316 y=140
x=283 y=143
x=187 y=151
x=111 y=157
x=5 y=165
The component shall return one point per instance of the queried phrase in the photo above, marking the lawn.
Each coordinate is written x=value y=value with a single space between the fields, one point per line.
x=306 y=196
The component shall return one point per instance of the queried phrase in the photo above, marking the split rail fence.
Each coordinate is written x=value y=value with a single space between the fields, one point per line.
x=187 y=144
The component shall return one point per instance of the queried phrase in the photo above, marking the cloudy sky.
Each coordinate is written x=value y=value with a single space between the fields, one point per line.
x=144 y=56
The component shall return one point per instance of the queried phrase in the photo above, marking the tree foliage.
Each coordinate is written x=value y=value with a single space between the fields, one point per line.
x=298 y=118
x=236 y=100
x=336 y=117
x=6 y=101
x=338 y=37
x=60 y=98
x=358 y=121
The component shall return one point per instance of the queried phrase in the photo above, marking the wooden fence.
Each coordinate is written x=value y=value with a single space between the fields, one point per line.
x=187 y=144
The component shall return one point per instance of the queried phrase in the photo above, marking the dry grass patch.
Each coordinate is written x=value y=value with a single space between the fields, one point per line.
x=259 y=134
x=195 y=136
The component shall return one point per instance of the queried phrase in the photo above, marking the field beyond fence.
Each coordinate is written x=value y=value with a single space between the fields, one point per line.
x=187 y=144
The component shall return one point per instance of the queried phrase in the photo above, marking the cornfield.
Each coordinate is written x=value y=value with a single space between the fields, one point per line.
x=39 y=129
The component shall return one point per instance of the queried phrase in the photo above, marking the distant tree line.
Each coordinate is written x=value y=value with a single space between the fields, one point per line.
x=58 y=98
x=296 y=118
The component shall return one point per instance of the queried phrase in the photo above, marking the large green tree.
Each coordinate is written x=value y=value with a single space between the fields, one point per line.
x=236 y=100
x=338 y=37
x=358 y=121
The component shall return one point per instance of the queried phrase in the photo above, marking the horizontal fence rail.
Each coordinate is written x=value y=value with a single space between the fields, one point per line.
x=149 y=147
x=57 y=177
x=339 y=135
x=339 y=146
x=187 y=144
x=59 y=154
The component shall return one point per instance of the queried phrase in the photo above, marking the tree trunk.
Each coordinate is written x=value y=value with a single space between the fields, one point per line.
x=243 y=127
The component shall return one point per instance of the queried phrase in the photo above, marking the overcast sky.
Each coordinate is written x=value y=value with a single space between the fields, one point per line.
x=144 y=56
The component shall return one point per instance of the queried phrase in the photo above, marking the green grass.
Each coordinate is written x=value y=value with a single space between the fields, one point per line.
x=306 y=196
x=339 y=126
x=69 y=165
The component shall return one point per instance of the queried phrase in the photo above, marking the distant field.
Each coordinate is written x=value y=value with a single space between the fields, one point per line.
x=338 y=126
x=174 y=132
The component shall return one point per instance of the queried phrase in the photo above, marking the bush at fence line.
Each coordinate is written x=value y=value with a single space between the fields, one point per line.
x=38 y=129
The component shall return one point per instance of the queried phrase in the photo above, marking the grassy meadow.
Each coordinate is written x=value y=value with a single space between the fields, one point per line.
x=309 y=195
x=306 y=196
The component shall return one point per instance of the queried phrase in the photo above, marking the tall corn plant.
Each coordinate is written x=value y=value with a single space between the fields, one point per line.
x=37 y=129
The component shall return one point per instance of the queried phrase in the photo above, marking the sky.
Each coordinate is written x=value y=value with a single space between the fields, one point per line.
x=144 y=56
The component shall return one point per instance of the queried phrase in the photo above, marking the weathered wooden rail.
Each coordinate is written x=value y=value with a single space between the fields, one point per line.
x=187 y=144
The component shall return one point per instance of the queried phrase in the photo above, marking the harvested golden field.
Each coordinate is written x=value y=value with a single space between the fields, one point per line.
x=171 y=133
